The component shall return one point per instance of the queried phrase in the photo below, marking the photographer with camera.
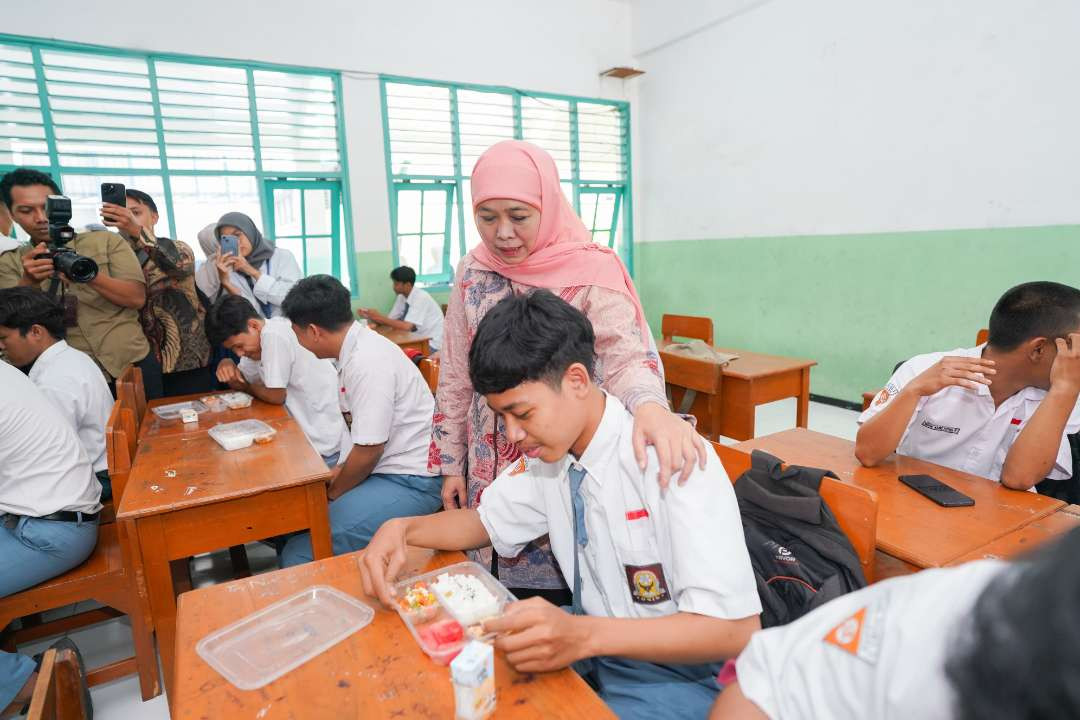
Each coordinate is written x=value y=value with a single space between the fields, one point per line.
x=101 y=309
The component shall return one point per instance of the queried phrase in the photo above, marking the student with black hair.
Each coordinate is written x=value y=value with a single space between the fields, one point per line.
x=414 y=309
x=32 y=334
x=173 y=316
x=274 y=368
x=662 y=583
x=1001 y=410
x=987 y=640
x=383 y=471
x=101 y=316
x=49 y=506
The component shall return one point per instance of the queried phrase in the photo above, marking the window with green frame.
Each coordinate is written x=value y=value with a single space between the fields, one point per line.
x=201 y=136
x=435 y=131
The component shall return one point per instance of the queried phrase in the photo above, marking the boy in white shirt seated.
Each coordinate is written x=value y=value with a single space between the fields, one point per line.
x=274 y=368
x=32 y=332
x=414 y=309
x=49 y=505
x=987 y=640
x=383 y=468
x=1001 y=410
x=662 y=583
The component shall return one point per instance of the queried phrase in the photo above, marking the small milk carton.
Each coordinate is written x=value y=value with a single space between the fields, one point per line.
x=188 y=415
x=473 y=673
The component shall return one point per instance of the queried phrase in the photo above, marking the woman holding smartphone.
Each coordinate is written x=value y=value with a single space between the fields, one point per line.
x=249 y=265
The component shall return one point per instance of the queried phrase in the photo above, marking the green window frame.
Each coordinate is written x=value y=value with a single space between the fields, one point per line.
x=433 y=131
x=187 y=127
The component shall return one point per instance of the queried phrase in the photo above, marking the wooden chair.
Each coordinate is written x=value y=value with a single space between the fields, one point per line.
x=107 y=577
x=855 y=508
x=58 y=692
x=686 y=326
x=693 y=387
x=131 y=391
x=429 y=368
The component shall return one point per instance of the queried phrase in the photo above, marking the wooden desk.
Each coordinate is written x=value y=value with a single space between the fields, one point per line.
x=153 y=426
x=186 y=495
x=379 y=672
x=754 y=379
x=910 y=527
x=1027 y=538
x=405 y=339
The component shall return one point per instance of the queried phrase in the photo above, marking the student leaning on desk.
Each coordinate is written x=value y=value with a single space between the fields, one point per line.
x=662 y=583
x=1002 y=410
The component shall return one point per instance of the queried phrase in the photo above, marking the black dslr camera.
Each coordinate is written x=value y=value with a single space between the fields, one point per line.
x=75 y=267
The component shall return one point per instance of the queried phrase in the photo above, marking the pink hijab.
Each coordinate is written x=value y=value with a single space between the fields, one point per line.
x=565 y=254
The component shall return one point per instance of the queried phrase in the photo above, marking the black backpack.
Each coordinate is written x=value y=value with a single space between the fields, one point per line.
x=801 y=557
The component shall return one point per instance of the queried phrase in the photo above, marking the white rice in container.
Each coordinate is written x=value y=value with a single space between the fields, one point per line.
x=466 y=597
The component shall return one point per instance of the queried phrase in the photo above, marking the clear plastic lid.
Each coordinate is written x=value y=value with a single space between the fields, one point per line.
x=172 y=411
x=265 y=645
x=236 y=400
x=444 y=609
x=240 y=434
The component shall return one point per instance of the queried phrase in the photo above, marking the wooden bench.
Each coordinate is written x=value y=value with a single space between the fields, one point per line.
x=58 y=691
x=686 y=326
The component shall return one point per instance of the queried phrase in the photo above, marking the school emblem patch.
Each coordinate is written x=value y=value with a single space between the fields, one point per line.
x=861 y=634
x=648 y=586
x=520 y=466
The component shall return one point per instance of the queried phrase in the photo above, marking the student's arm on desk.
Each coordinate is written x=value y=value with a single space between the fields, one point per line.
x=1032 y=456
x=385 y=554
x=537 y=637
x=879 y=436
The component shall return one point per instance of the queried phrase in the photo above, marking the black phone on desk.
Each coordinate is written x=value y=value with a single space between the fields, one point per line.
x=114 y=193
x=936 y=490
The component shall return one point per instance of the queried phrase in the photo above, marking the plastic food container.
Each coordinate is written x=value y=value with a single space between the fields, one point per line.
x=172 y=411
x=267 y=644
x=214 y=403
x=444 y=608
x=240 y=434
x=236 y=400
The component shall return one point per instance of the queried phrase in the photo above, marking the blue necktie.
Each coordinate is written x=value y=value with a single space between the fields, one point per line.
x=581 y=536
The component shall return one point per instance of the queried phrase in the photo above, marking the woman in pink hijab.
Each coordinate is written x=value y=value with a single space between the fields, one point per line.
x=532 y=238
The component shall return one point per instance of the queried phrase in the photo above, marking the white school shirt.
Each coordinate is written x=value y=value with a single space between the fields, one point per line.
x=75 y=385
x=310 y=384
x=961 y=429
x=279 y=274
x=649 y=554
x=43 y=467
x=389 y=401
x=423 y=312
x=877 y=653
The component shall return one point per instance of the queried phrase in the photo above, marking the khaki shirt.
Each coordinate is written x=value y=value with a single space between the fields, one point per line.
x=110 y=334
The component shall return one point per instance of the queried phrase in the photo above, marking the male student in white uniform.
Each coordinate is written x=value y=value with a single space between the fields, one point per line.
x=32 y=333
x=49 y=504
x=274 y=368
x=383 y=470
x=1001 y=410
x=662 y=583
x=987 y=640
x=414 y=310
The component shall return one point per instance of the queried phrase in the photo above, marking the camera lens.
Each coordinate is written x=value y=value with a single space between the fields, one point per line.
x=77 y=268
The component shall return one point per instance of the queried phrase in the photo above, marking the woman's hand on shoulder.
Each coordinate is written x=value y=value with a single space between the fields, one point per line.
x=677 y=444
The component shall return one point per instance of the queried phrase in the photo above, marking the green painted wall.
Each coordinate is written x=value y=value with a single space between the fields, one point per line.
x=374 y=284
x=857 y=304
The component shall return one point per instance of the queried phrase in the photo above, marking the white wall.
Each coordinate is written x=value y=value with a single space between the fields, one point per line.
x=849 y=116
x=555 y=46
